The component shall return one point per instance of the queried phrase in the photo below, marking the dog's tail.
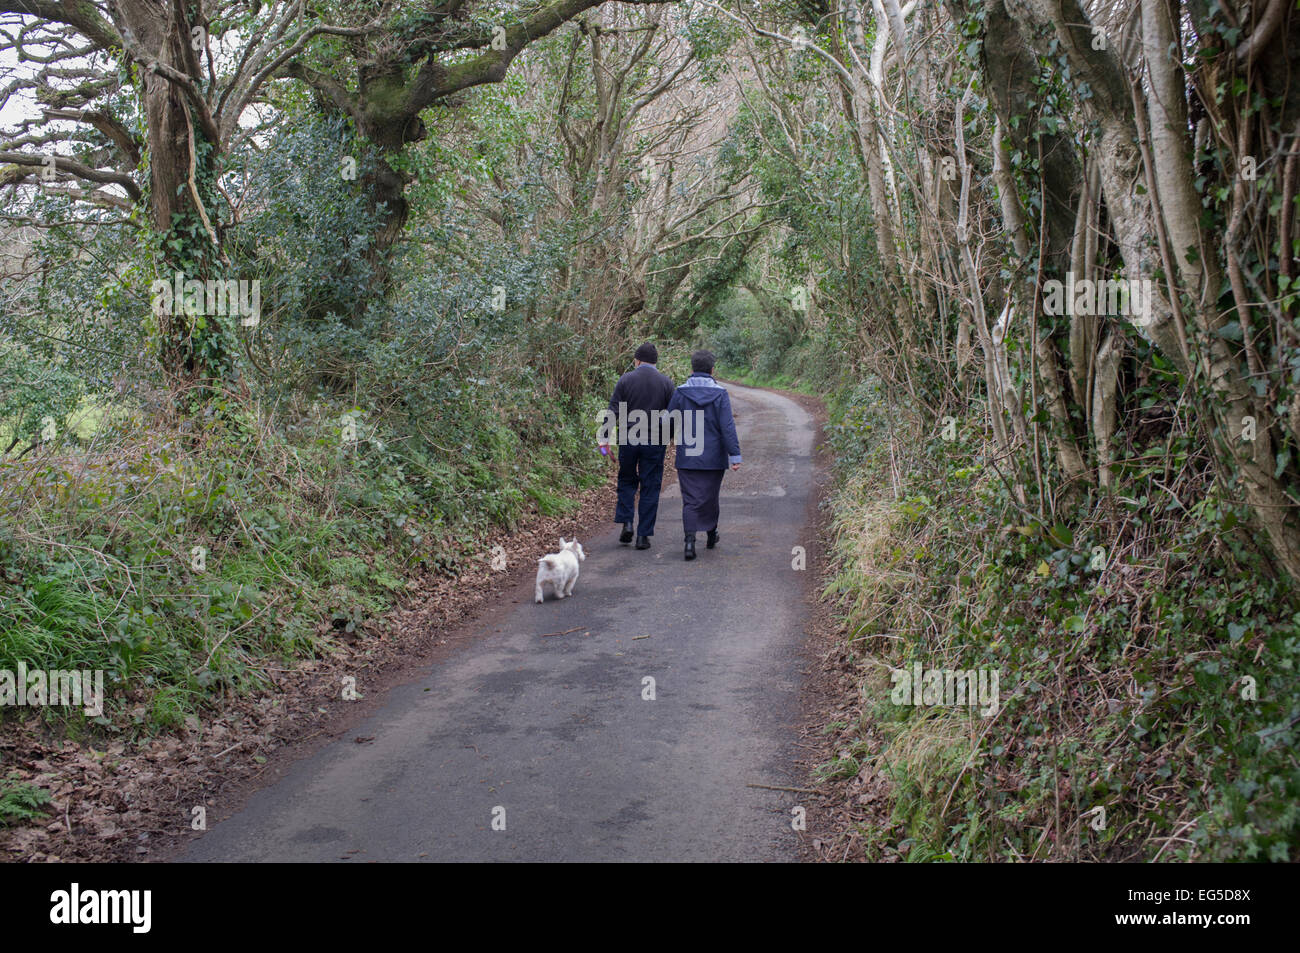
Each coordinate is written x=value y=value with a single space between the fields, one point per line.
x=549 y=560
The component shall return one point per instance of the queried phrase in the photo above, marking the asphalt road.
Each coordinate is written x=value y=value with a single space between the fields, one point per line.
x=555 y=729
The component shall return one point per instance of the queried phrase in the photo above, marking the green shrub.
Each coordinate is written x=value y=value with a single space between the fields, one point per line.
x=20 y=802
x=1157 y=683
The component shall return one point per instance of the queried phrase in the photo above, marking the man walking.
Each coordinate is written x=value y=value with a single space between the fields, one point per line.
x=703 y=461
x=640 y=395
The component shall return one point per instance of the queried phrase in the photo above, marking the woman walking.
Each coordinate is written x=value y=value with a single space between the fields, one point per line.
x=707 y=444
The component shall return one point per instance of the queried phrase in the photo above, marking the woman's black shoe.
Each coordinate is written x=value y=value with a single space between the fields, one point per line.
x=690 y=545
x=626 y=535
x=643 y=542
x=713 y=539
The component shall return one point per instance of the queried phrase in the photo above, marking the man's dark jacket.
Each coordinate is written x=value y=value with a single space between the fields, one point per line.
x=642 y=388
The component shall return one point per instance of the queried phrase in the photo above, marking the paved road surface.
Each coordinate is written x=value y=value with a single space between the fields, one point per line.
x=555 y=730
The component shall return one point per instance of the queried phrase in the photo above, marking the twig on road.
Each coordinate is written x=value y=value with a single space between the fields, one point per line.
x=777 y=787
x=565 y=632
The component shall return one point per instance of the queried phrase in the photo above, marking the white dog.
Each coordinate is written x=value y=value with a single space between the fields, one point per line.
x=560 y=569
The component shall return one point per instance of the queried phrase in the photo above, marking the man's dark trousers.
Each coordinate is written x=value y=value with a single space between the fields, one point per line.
x=642 y=466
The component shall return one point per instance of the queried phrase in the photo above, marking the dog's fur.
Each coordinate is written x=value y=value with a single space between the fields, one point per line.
x=559 y=570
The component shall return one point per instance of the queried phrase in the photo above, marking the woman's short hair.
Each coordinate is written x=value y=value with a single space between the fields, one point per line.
x=702 y=361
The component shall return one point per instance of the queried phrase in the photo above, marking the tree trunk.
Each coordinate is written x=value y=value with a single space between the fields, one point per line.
x=195 y=350
x=1142 y=136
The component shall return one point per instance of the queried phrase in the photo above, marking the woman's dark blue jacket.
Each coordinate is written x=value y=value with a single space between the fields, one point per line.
x=716 y=440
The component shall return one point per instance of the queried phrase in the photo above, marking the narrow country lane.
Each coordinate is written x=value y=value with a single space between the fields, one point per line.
x=554 y=729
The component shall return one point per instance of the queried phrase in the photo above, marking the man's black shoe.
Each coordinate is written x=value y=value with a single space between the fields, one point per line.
x=626 y=535
x=643 y=542
x=690 y=545
x=713 y=538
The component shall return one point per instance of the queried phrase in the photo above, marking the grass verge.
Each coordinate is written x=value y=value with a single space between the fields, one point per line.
x=1148 y=701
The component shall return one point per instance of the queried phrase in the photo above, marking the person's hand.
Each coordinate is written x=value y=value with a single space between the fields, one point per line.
x=735 y=466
